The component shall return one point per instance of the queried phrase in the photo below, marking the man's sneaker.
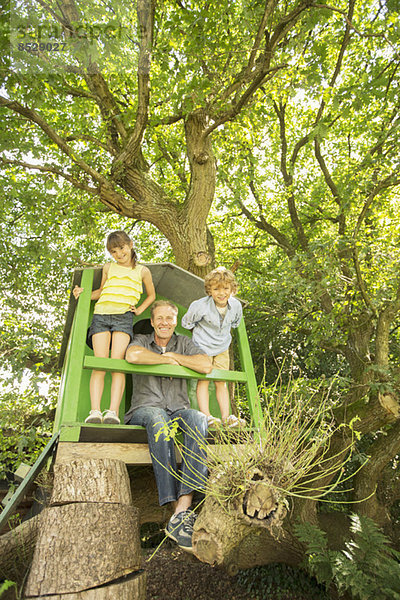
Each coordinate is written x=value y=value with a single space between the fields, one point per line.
x=95 y=416
x=110 y=417
x=180 y=529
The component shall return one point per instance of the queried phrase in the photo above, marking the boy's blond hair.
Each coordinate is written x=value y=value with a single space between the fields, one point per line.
x=220 y=275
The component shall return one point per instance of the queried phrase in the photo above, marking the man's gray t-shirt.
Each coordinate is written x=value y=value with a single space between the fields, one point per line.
x=169 y=393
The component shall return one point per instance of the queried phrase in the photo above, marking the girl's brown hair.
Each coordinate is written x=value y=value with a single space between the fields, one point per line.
x=117 y=239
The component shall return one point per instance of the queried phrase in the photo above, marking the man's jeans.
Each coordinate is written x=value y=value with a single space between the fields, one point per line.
x=172 y=483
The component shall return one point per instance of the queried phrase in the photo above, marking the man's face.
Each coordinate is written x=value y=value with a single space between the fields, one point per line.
x=164 y=322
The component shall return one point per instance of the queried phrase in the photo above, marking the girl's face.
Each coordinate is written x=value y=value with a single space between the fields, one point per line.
x=122 y=254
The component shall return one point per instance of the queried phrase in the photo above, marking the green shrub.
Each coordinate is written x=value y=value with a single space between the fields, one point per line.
x=367 y=567
x=279 y=581
x=26 y=425
x=6 y=585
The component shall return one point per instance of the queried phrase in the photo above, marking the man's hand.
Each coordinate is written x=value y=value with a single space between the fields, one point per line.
x=171 y=358
x=198 y=362
x=141 y=356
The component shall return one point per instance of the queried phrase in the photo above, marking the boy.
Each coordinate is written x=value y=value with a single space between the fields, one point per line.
x=211 y=319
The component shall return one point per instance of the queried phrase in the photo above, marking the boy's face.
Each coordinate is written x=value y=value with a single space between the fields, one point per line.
x=220 y=293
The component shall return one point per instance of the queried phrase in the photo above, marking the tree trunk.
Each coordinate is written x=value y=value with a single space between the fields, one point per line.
x=16 y=550
x=385 y=448
x=222 y=537
x=126 y=589
x=220 y=531
x=89 y=536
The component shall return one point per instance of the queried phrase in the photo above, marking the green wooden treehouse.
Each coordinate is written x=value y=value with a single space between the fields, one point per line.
x=127 y=442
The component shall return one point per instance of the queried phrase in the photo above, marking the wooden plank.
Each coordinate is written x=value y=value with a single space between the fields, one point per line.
x=97 y=432
x=122 y=366
x=131 y=454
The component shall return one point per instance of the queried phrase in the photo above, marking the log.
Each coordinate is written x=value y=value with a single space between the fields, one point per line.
x=84 y=545
x=126 y=589
x=109 y=483
x=217 y=533
x=222 y=538
x=260 y=504
x=220 y=530
x=16 y=550
x=91 y=541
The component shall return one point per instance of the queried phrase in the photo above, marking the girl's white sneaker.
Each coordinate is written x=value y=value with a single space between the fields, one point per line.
x=95 y=416
x=110 y=417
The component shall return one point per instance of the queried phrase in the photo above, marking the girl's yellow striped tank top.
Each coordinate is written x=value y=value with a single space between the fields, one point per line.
x=122 y=289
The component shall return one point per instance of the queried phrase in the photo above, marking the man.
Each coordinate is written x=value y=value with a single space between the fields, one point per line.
x=158 y=400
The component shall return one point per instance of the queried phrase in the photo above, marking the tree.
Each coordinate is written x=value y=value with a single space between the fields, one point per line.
x=272 y=114
x=321 y=186
x=142 y=143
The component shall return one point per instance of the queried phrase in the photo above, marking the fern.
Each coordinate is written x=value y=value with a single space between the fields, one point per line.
x=367 y=567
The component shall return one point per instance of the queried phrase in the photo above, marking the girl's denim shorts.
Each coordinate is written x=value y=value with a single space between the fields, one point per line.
x=110 y=323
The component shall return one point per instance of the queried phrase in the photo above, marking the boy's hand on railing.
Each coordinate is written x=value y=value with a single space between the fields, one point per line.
x=77 y=291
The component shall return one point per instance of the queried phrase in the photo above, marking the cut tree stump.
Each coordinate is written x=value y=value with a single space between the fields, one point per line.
x=127 y=589
x=99 y=480
x=16 y=549
x=88 y=544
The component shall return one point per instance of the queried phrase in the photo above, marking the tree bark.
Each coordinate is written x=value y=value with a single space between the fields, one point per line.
x=16 y=550
x=384 y=449
x=223 y=538
x=89 y=535
x=220 y=530
x=126 y=589
x=106 y=482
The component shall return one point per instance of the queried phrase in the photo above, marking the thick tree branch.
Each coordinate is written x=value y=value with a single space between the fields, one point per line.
x=327 y=176
x=247 y=73
x=288 y=177
x=51 y=170
x=360 y=281
x=261 y=78
x=263 y=224
x=339 y=61
x=131 y=152
x=391 y=180
x=385 y=319
x=94 y=79
x=382 y=451
x=258 y=71
x=269 y=7
x=34 y=117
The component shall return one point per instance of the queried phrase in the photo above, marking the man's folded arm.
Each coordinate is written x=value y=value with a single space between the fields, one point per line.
x=141 y=356
x=198 y=362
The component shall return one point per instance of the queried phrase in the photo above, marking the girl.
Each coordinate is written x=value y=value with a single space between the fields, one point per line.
x=119 y=291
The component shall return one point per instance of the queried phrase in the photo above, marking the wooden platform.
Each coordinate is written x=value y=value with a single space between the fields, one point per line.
x=122 y=442
x=131 y=454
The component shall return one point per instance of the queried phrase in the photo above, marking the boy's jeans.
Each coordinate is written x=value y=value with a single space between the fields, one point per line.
x=172 y=483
